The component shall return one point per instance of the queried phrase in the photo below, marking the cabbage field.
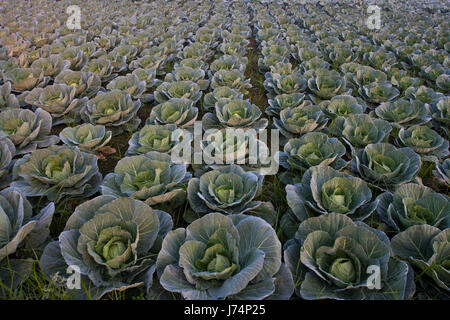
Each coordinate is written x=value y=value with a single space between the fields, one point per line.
x=224 y=149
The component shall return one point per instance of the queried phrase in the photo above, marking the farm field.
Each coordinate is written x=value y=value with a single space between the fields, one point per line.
x=213 y=149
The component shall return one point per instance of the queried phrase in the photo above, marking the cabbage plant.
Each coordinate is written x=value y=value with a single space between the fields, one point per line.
x=58 y=100
x=196 y=50
x=50 y=66
x=303 y=54
x=7 y=153
x=193 y=63
x=234 y=79
x=21 y=229
x=86 y=84
x=340 y=55
x=267 y=34
x=113 y=109
x=233 y=49
x=405 y=82
x=236 y=113
x=342 y=105
x=333 y=257
x=28 y=130
x=57 y=172
x=425 y=247
x=366 y=75
x=413 y=204
x=224 y=257
x=326 y=84
x=118 y=62
x=443 y=83
x=423 y=94
x=281 y=69
x=151 y=177
x=155 y=137
x=87 y=137
x=431 y=71
x=211 y=98
x=147 y=75
x=147 y=62
x=378 y=92
x=297 y=121
x=178 y=111
x=386 y=166
x=130 y=84
x=225 y=145
x=443 y=170
x=25 y=79
x=360 y=130
x=315 y=63
x=265 y=62
x=184 y=73
x=283 y=101
x=312 y=149
x=101 y=67
x=440 y=111
x=380 y=58
x=76 y=57
x=91 y=49
x=229 y=190
x=126 y=50
x=7 y=99
x=324 y=190
x=404 y=113
x=424 y=141
x=7 y=64
x=113 y=242
x=228 y=62
x=284 y=84
x=178 y=89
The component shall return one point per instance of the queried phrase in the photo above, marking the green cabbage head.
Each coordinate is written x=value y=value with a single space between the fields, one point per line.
x=294 y=122
x=18 y=226
x=359 y=130
x=58 y=100
x=386 y=166
x=229 y=190
x=333 y=257
x=327 y=84
x=151 y=177
x=224 y=257
x=113 y=109
x=312 y=149
x=28 y=130
x=155 y=137
x=236 y=113
x=324 y=190
x=403 y=113
x=414 y=204
x=57 y=172
x=342 y=105
x=86 y=136
x=425 y=141
x=113 y=242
